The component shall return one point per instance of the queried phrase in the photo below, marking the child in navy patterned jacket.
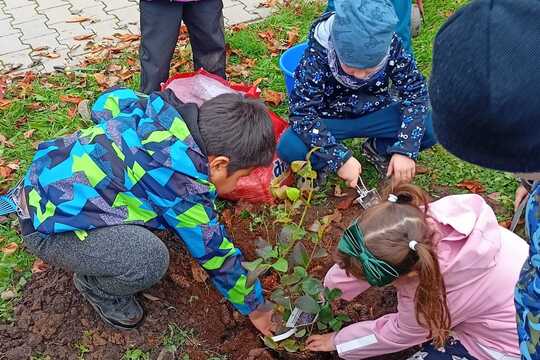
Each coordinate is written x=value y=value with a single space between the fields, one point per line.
x=341 y=91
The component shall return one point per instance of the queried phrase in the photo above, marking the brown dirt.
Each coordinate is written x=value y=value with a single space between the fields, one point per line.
x=52 y=318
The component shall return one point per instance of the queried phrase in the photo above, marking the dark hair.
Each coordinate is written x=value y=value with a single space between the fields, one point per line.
x=237 y=127
x=388 y=228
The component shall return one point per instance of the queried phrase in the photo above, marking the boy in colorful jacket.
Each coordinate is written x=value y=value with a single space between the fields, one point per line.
x=89 y=199
x=484 y=72
x=341 y=91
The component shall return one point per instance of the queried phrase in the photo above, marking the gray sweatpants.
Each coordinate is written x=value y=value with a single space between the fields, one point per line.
x=119 y=260
x=160 y=26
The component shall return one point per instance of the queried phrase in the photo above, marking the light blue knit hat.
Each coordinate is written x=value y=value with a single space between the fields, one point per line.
x=362 y=31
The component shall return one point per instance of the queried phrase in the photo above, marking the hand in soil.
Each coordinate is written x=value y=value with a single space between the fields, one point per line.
x=321 y=342
x=262 y=320
x=401 y=168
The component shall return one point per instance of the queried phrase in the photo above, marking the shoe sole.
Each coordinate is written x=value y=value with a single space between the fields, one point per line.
x=109 y=322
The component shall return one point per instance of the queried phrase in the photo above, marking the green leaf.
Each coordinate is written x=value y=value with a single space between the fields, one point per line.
x=325 y=315
x=252 y=265
x=321 y=326
x=278 y=297
x=300 y=255
x=288 y=280
x=290 y=345
x=300 y=333
x=300 y=271
x=335 y=324
x=343 y=317
x=264 y=249
x=293 y=193
x=270 y=343
x=298 y=165
x=312 y=286
x=332 y=294
x=320 y=253
x=307 y=304
x=281 y=265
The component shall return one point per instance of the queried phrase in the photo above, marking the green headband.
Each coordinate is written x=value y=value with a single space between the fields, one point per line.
x=377 y=272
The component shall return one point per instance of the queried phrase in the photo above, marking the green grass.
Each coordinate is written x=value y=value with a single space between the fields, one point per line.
x=135 y=354
x=52 y=119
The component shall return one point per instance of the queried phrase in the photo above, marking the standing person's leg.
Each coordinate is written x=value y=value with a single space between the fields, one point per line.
x=403 y=12
x=160 y=24
x=111 y=265
x=204 y=20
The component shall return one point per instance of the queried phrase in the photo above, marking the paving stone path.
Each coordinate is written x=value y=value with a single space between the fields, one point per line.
x=35 y=34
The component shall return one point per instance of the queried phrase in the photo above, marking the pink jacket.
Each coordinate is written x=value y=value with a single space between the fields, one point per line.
x=480 y=262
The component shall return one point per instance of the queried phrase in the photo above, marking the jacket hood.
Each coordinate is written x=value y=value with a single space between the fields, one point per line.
x=470 y=238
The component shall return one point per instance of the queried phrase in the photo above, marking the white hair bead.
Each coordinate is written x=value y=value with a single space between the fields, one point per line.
x=392 y=198
x=412 y=245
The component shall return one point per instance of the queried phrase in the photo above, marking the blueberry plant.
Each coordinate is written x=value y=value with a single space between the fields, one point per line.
x=291 y=260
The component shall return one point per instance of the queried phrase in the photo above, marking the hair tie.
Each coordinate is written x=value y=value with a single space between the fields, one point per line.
x=412 y=245
x=392 y=198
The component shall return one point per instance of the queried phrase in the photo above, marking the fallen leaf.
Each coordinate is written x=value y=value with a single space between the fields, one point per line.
x=268 y=3
x=72 y=112
x=5 y=142
x=273 y=97
x=106 y=81
x=315 y=226
x=226 y=217
x=114 y=68
x=28 y=134
x=28 y=78
x=8 y=295
x=78 y=19
x=198 y=273
x=336 y=216
x=238 y=27
x=4 y=104
x=506 y=223
x=345 y=203
x=39 y=266
x=292 y=36
x=338 y=192
x=84 y=37
x=421 y=169
x=5 y=172
x=472 y=185
x=127 y=37
x=21 y=121
x=150 y=297
x=40 y=48
x=72 y=99
x=258 y=81
x=10 y=248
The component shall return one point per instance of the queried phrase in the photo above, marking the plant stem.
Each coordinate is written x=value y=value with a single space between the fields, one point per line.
x=307 y=204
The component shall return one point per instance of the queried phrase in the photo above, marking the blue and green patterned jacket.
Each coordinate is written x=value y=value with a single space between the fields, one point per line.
x=527 y=296
x=140 y=164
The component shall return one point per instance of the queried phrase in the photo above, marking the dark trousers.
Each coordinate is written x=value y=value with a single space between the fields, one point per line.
x=160 y=27
x=384 y=125
x=119 y=260
x=452 y=351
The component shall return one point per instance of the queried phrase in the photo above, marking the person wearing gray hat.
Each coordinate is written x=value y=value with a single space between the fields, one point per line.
x=341 y=91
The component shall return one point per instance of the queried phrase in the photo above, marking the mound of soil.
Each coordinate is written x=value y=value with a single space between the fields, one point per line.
x=53 y=319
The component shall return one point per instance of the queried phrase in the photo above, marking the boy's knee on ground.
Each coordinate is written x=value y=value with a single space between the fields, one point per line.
x=291 y=147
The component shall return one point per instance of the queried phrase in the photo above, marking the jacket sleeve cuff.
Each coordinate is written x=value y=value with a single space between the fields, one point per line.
x=397 y=148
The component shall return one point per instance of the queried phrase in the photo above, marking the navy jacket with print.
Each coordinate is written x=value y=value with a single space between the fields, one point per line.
x=318 y=95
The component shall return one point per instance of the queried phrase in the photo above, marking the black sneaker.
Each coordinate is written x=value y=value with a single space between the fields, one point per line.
x=122 y=312
x=375 y=158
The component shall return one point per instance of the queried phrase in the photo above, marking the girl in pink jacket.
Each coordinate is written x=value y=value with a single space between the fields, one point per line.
x=454 y=269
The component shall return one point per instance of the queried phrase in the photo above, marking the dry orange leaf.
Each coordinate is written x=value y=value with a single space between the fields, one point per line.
x=4 y=104
x=84 y=37
x=127 y=37
x=72 y=99
x=273 y=97
x=5 y=142
x=78 y=19
x=28 y=134
x=72 y=112
x=39 y=266
x=292 y=36
x=472 y=185
x=10 y=248
x=199 y=274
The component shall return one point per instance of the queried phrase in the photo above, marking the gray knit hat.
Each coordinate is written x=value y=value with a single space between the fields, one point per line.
x=362 y=31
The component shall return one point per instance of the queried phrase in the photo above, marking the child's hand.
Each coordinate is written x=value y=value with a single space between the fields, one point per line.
x=350 y=171
x=521 y=192
x=262 y=320
x=321 y=342
x=402 y=168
